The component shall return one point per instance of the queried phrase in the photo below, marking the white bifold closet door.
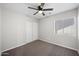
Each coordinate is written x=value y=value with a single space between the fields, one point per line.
x=31 y=31
x=35 y=30
x=28 y=31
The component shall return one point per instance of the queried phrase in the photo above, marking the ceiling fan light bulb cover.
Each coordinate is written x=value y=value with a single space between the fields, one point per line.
x=40 y=12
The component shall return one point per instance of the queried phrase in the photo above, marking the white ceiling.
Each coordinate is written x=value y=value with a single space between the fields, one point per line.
x=23 y=8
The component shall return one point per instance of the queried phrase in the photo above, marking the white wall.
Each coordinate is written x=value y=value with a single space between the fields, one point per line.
x=66 y=38
x=17 y=29
x=0 y=30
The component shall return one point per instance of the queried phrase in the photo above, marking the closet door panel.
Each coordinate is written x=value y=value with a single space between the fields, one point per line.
x=35 y=30
x=28 y=31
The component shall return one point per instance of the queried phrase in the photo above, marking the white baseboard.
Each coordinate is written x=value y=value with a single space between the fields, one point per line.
x=12 y=47
x=59 y=45
x=41 y=40
x=17 y=46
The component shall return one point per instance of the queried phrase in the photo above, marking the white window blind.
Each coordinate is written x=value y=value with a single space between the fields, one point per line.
x=61 y=24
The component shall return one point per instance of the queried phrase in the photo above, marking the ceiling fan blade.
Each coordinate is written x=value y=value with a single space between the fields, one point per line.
x=35 y=13
x=50 y=9
x=32 y=8
x=43 y=13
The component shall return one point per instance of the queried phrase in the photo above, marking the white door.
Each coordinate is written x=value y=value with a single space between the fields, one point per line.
x=28 y=31
x=35 y=30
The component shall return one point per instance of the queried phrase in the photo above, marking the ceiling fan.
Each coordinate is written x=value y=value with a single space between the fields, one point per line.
x=40 y=9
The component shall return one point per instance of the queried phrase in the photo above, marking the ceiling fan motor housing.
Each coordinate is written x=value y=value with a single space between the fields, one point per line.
x=40 y=8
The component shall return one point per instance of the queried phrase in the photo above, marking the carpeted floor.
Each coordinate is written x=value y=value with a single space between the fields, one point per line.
x=40 y=48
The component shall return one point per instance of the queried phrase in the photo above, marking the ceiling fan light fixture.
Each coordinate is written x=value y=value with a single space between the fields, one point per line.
x=40 y=11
